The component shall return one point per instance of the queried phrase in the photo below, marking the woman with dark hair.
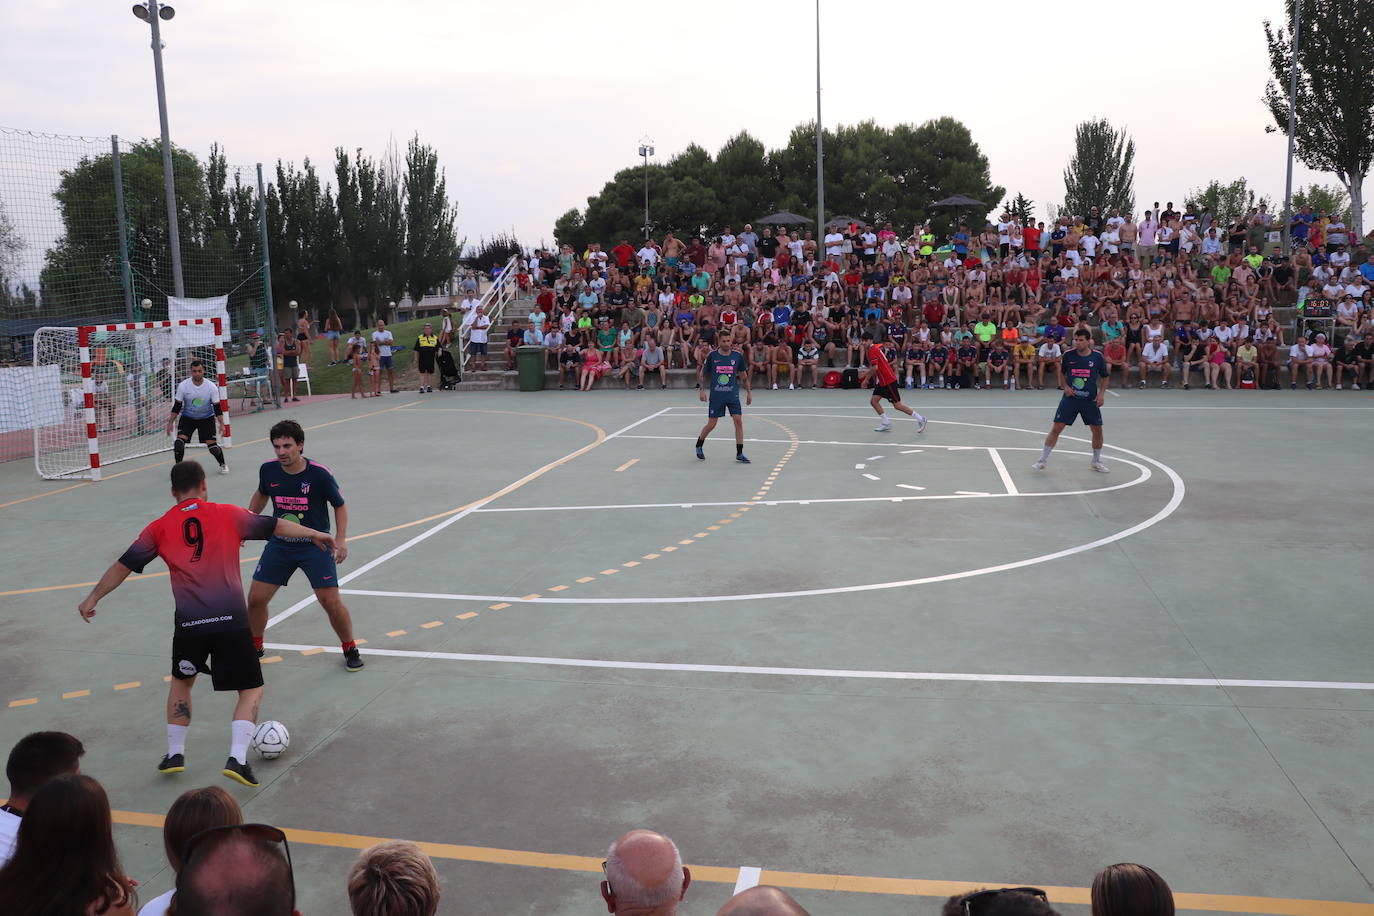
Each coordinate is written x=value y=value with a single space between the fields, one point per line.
x=195 y=810
x=65 y=861
x=1127 y=889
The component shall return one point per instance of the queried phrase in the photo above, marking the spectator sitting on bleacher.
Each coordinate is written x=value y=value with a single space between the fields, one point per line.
x=1126 y=889
x=762 y=901
x=193 y=811
x=1005 y=901
x=34 y=759
x=394 y=878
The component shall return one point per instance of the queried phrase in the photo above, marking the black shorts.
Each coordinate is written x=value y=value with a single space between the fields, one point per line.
x=888 y=391
x=205 y=428
x=424 y=361
x=232 y=659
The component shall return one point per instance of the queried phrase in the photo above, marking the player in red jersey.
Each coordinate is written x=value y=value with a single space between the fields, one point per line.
x=884 y=379
x=199 y=541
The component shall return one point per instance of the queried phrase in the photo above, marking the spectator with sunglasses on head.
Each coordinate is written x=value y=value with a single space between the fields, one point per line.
x=236 y=870
x=644 y=875
x=1002 y=901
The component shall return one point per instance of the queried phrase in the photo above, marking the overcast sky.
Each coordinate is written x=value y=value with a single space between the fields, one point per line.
x=534 y=105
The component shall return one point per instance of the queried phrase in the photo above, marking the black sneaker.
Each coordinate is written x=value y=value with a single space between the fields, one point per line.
x=240 y=773
x=172 y=763
x=261 y=653
x=353 y=659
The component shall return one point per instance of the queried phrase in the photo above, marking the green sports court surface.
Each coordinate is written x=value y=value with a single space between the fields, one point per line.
x=880 y=668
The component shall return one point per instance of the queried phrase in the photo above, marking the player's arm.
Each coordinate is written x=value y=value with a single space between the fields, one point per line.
x=114 y=577
x=701 y=370
x=288 y=529
x=176 y=410
x=1064 y=376
x=341 y=535
x=1104 y=378
x=748 y=381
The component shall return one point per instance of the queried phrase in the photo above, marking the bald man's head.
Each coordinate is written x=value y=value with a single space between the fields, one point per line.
x=236 y=876
x=762 y=901
x=644 y=874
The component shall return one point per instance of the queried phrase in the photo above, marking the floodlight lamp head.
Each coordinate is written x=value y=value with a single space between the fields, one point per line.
x=141 y=11
x=166 y=12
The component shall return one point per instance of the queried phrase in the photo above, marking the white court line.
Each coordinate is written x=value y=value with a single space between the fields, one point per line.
x=1113 y=393
x=1083 y=680
x=1040 y=406
x=749 y=876
x=910 y=486
x=625 y=429
x=1002 y=470
x=873 y=477
x=430 y=532
x=1175 y=500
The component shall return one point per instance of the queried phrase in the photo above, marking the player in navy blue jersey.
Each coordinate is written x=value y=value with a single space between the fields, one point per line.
x=1081 y=369
x=720 y=373
x=301 y=491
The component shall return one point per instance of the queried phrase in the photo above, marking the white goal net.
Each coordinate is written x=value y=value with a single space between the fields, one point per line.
x=103 y=393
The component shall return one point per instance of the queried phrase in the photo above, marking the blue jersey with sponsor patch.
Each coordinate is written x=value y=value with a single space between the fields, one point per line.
x=723 y=373
x=1081 y=372
x=303 y=498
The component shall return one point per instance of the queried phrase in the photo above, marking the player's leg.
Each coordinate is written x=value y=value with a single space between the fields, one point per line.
x=235 y=666
x=259 y=597
x=178 y=720
x=737 y=417
x=1052 y=439
x=205 y=429
x=1096 y=428
x=185 y=429
x=342 y=622
x=712 y=418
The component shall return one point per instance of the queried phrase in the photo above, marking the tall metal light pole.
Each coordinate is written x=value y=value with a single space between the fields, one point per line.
x=1292 y=126
x=646 y=149
x=151 y=12
x=820 y=149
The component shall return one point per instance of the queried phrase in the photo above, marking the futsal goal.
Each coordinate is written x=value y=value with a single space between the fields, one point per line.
x=102 y=393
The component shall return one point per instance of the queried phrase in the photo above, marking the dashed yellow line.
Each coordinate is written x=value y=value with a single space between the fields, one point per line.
x=609 y=572
x=314 y=651
x=28 y=701
x=630 y=565
x=271 y=659
x=585 y=579
x=468 y=616
x=128 y=686
x=530 y=597
x=650 y=556
x=626 y=465
x=667 y=549
x=498 y=607
x=395 y=633
x=431 y=625
x=557 y=588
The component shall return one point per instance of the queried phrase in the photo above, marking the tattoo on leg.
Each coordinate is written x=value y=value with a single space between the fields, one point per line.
x=181 y=710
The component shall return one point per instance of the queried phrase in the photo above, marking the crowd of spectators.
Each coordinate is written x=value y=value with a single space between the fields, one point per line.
x=1174 y=297
x=58 y=856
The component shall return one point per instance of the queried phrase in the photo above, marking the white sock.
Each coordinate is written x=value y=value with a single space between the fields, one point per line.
x=1045 y=452
x=241 y=731
x=176 y=739
x=887 y=421
x=917 y=417
x=1097 y=456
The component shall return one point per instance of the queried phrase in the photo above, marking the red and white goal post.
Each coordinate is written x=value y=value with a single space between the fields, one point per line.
x=106 y=390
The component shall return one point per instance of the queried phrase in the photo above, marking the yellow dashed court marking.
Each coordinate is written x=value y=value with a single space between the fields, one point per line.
x=630 y=565
x=431 y=625
x=530 y=597
x=503 y=605
x=73 y=694
x=668 y=549
x=167 y=678
x=129 y=686
x=395 y=633
x=315 y=651
x=712 y=527
x=650 y=556
x=626 y=465
x=26 y=702
x=468 y=616
x=609 y=572
x=557 y=588
x=271 y=659
x=687 y=541
x=585 y=579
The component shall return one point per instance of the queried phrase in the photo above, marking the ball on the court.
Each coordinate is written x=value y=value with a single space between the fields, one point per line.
x=271 y=739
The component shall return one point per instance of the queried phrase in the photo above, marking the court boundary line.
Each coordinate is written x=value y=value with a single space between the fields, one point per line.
x=1048 y=408
x=1175 y=500
x=456 y=517
x=1084 y=680
x=856 y=884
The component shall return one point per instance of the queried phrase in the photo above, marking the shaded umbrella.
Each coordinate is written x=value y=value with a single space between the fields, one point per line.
x=960 y=203
x=842 y=221
x=785 y=218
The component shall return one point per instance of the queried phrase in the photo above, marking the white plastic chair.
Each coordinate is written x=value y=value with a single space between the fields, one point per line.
x=303 y=375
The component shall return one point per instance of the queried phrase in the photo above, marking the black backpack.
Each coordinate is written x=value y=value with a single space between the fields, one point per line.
x=849 y=378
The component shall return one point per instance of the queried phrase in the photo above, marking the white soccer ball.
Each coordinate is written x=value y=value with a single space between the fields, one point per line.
x=271 y=739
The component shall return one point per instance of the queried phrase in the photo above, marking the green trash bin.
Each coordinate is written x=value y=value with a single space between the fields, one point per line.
x=529 y=363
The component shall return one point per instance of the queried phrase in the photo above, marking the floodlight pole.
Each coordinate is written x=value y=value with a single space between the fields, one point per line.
x=646 y=149
x=820 y=151
x=1292 y=127
x=154 y=14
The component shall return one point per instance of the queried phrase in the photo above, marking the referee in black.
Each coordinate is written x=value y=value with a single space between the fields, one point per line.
x=426 y=346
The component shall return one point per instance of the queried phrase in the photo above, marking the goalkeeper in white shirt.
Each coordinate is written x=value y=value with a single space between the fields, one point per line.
x=196 y=409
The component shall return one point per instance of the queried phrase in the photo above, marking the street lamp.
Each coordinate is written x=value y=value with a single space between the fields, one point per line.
x=646 y=149
x=151 y=12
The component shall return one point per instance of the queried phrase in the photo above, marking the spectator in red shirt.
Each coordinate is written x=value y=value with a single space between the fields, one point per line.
x=624 y=254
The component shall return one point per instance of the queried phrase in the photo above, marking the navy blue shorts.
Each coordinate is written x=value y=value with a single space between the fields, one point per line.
x=386 y=361
x=1071 y=409
x=718 y=406
x=282 y=558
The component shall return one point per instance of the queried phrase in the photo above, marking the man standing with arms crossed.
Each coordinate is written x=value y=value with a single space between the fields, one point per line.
x=1080 y=370
x=199 y=541
x=300 y=491
x=383 y=339
x=720 y=371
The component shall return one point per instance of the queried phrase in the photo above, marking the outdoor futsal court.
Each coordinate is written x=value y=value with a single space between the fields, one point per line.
x=881 y=669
